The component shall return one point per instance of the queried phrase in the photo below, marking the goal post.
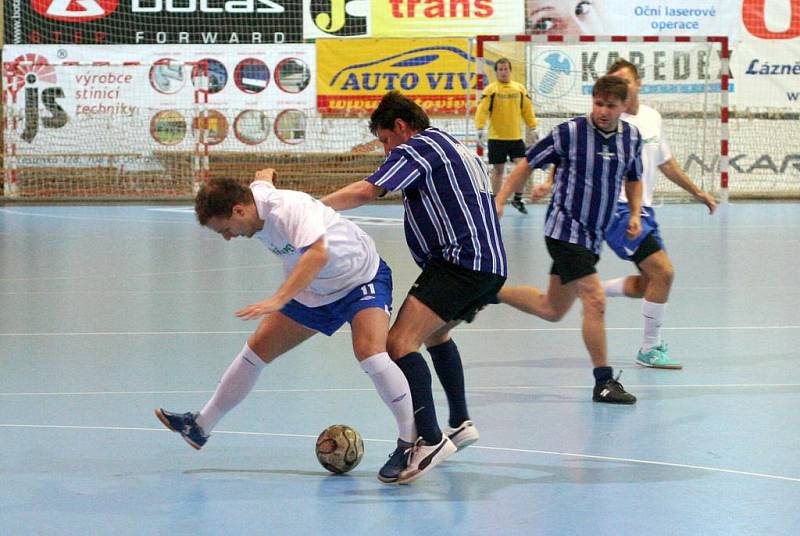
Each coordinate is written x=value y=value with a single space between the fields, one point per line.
x=687 y=79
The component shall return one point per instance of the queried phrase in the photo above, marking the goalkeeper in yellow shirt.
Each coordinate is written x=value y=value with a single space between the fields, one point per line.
x=502 y=104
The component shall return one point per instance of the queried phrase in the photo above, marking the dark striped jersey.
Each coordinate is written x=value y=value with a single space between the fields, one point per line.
x=591 y=166
x=449 y=208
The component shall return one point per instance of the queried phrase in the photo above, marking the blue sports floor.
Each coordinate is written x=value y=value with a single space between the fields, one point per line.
x=111 y=311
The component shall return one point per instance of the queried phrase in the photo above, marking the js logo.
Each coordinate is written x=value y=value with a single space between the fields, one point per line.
x=30 y=72
x=340 y=17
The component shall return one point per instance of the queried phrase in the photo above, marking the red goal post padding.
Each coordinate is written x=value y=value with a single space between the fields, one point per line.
x=724 y=53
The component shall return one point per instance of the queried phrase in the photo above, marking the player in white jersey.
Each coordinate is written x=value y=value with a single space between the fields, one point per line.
x=647 y=250
x=333 y=275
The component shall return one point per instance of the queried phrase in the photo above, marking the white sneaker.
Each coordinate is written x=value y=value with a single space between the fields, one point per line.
x=425 y=457
x=463 y=435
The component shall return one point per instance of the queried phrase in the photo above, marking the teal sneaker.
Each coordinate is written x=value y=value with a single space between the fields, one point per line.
x=657 y=358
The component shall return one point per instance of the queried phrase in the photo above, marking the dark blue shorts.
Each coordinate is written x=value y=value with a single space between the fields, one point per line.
x=615 y=234
x=329 y=318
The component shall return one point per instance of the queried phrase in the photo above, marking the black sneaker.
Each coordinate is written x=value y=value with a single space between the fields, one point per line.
x=184 y=424
x=612 y=392
x=519 y=204
x=398 y=460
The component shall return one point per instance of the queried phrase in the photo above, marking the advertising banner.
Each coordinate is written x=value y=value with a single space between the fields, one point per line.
x=353 y=75
x=151 y=93
x=97 y=22
x=412 y=18
x=671 y=72
x=624 y=17
x=767 y=61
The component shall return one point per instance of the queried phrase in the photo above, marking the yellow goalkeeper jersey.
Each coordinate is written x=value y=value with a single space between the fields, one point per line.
x=502 y=104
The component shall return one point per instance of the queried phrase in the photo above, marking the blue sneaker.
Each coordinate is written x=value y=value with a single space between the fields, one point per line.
x=657 y=357
x=398 y=460
x=184 y=424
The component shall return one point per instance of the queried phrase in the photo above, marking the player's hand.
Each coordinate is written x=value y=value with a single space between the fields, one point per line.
x=481 y=142
x=259 y=309
x=539 y=191
x=499 y=207
x=531 y=137
x=634 y=227
x=267 y=174
x=707 y=200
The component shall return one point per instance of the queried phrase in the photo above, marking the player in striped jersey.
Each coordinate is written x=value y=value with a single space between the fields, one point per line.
x=453 y=233
x=593 y=155
x=654 y=281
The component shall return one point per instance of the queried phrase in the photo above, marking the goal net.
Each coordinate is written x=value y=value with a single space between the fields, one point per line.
x=685 y=79
x=157 y=129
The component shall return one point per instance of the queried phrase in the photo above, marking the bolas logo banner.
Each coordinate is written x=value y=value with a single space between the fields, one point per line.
x=74 y=10
x=98 y=22
x=354 y=74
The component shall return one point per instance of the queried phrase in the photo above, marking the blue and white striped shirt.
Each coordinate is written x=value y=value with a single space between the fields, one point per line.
x=591 y=166
x=449 y=208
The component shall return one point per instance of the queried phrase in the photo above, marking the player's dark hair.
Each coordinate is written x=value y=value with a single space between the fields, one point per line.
x=394 y=105
x=501 y=61
x=621 y=64
x=217 y=198
x=611 y=86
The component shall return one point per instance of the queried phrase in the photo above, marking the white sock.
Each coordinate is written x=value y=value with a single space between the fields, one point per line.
x=392 y=386
x=614 y=288
x=233 y=387
x=653 y=315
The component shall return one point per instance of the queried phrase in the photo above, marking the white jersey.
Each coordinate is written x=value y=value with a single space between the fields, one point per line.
x=295 y=220
x=655 y=150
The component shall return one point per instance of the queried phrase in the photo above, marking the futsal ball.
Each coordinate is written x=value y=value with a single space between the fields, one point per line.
x=339 y=448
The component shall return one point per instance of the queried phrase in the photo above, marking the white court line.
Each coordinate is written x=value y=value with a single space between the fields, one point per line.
x=370 y=220
x=474 y=447
x=705 y=229
x=347 y=331
x=361 y=220
x=370 y=390
x=228 y=291
x=142 y=274
x=84 y=292
x=89 y=218
x=182 y=210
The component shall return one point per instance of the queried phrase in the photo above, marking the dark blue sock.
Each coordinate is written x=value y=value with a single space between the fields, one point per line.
x=447 y=362
x=603 y=374
x=418 y=375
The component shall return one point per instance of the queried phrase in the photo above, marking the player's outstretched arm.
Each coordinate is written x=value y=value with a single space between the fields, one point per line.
x=304 y=272
x=514 y=181
x=353 y=195
x=672 y=170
